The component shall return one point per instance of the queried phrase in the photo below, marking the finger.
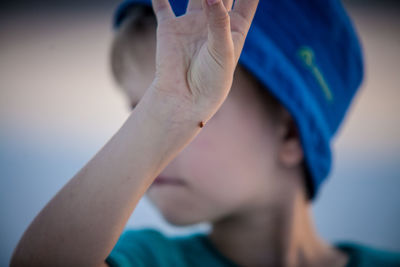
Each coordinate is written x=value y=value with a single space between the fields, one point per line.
x=194 y=5
x=246 y=9
x=242 y=16
x=162 y=9
x=219 y=28
x=228 y=4
x=197 y=5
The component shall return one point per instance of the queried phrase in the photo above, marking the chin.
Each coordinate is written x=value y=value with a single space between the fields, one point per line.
x=175 y=221
x=179 y=218
x=180 y=211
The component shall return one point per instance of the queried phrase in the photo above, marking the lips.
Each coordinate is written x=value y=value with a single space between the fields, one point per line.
x=164 y=180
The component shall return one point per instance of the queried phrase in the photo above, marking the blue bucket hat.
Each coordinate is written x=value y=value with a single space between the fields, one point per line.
x=306 y=54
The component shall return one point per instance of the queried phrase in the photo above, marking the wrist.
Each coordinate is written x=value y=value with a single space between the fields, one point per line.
x=170 y=112
x=182 y=105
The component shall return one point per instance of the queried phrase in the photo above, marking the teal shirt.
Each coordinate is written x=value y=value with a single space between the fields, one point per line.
x=149 y=247
x=365 y=256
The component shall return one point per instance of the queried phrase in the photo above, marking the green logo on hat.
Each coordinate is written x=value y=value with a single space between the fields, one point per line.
x=306 y=54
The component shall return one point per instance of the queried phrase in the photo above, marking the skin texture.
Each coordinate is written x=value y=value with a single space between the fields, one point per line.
x=242 y=172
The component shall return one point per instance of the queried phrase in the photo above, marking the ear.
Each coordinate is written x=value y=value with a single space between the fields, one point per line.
x=290 y=150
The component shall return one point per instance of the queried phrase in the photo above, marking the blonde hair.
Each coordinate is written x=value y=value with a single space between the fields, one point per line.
x=139 y=19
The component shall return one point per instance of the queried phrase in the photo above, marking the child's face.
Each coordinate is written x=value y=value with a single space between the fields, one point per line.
x=231 y=166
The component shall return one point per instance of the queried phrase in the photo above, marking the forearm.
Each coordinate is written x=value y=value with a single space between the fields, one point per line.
x=83 y=221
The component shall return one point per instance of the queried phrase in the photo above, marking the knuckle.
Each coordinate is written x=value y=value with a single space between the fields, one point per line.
x=222 y=20
x=241 y=23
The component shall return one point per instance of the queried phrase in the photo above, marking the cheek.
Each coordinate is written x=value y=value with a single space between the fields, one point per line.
x=228 y=161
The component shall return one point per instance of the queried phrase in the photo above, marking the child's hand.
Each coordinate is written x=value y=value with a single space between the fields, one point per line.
x=197 y=53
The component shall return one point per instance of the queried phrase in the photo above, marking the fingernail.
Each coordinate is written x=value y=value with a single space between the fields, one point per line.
x=212 y=2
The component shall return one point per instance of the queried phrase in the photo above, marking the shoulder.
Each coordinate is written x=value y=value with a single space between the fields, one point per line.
x=363 y=255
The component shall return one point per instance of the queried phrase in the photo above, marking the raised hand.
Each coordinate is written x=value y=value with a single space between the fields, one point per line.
x=197 y=53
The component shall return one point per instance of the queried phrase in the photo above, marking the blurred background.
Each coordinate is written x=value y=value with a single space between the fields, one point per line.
x=59 y=106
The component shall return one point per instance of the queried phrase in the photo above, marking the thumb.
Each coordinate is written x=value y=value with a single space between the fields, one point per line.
x=219 y=29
